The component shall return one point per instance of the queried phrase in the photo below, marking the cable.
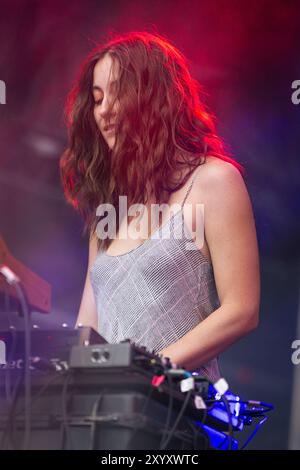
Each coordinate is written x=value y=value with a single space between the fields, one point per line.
x=162 y=365
x=94 y=413
x=9 y=426
x=143 y=411
x=179 y=416
x=256 y=408
x=164 y=442
x=43 y=388
x=12 y=329
x=12 y=279
x=230 y=426
x=265 y=418
x=228 y=436
x=66 y=435
x=203 y=435
x=169 y=413
x=254 y=412
x=27 y=374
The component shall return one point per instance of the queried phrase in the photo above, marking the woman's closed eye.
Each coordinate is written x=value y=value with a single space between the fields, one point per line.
x=98 y=102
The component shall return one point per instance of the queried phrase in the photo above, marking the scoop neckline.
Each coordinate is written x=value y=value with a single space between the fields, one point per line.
x=103 y=253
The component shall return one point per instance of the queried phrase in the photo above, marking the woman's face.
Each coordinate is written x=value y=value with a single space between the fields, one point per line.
x=104 y=88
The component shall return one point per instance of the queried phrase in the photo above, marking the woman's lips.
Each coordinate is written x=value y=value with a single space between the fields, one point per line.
x=109 y=130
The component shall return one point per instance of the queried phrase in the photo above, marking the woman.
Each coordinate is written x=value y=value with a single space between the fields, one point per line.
x=139 y=129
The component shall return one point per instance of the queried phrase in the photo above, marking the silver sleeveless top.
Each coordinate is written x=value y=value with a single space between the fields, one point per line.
x=157 y=292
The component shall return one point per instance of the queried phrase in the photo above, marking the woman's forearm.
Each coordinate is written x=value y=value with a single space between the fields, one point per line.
x=212 y=336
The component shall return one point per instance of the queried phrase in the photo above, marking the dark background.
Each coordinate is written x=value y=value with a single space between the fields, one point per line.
x=246 y=54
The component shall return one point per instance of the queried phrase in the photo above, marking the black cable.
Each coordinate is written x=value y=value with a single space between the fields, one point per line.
x=143 y=411
x=228 y=436
x=27 y=374
x=170 y=409
x=8 y=422
x=43 y=388
x=65 y=429
x=7 y=372
x=195 y=434
x=10 y=393
x=9 y=428
x=203 y=436
x=179 y=416
x=13 y=280
x=169 y=413
x=94 y=413
x=230 y=426
x=261 y=407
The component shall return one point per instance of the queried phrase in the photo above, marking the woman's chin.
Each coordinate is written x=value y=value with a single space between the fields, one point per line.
x=111 y=142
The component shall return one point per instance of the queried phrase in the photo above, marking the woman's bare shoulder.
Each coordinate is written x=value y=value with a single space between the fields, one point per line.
x=217 y=172
x=217 y=167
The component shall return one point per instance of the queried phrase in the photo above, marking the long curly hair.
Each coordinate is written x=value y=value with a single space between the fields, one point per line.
x=162 y=127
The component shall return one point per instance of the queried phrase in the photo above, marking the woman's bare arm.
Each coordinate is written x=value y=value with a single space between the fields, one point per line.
x=231 y=237
x=87 y=314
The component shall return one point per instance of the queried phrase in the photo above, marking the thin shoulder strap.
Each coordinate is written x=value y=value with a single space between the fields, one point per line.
x=190 y=187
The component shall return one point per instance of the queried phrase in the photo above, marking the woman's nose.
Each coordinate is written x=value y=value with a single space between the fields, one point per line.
x=106 y=108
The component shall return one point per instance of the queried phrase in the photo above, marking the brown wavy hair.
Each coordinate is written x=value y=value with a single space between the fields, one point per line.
x=162 y=127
